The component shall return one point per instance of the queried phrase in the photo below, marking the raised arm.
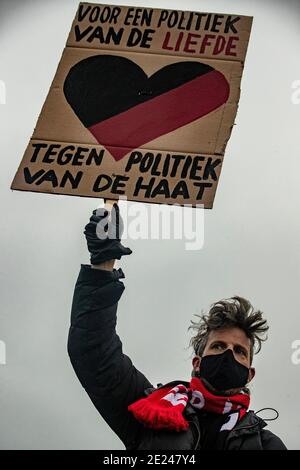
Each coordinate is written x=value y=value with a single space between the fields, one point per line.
x=107 y=374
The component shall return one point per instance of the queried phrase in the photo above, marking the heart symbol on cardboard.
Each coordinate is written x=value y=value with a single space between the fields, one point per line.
x=124 y=108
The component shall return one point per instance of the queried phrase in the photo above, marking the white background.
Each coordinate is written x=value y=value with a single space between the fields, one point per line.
x=251 y=239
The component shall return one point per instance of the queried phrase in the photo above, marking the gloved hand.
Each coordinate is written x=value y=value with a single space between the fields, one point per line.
x=103 y=236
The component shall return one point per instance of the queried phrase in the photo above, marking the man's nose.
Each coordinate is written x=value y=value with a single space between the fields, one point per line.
x=230 y=348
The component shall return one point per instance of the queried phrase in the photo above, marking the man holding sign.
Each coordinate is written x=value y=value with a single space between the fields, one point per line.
x=211 y=411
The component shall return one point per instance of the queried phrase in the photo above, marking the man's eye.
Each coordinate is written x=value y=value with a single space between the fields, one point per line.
x=241 y=351
x=217 y=346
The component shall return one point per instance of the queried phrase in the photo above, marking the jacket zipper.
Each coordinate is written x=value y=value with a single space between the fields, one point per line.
x=237 y=432
x=198 y=434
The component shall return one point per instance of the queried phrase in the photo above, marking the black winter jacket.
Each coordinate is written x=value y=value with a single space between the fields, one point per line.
x=113 y=383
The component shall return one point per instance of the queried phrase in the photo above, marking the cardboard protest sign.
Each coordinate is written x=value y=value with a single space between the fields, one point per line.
x=142 y=104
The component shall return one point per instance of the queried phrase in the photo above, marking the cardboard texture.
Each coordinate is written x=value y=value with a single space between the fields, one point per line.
x=142 y=105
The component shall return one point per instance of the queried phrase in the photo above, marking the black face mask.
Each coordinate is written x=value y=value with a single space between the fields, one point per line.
x=222 y=371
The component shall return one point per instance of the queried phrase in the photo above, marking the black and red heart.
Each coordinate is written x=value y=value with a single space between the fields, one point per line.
x=124 y=108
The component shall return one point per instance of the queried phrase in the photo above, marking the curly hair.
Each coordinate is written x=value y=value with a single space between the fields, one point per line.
x=229 y=313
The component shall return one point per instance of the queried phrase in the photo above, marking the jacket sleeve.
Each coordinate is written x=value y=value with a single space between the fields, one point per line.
x=107 y=374
x=271 y=442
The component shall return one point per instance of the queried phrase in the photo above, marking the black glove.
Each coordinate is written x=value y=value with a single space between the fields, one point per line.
x=103 y=236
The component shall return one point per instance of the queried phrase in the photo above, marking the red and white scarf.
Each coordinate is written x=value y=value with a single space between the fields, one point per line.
x=163 y=409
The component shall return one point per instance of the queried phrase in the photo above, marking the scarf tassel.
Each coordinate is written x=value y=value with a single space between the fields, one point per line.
x=171 y=419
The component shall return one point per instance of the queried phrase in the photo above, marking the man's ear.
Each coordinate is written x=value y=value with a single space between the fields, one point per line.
x=196 y=363
x=251 y=374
